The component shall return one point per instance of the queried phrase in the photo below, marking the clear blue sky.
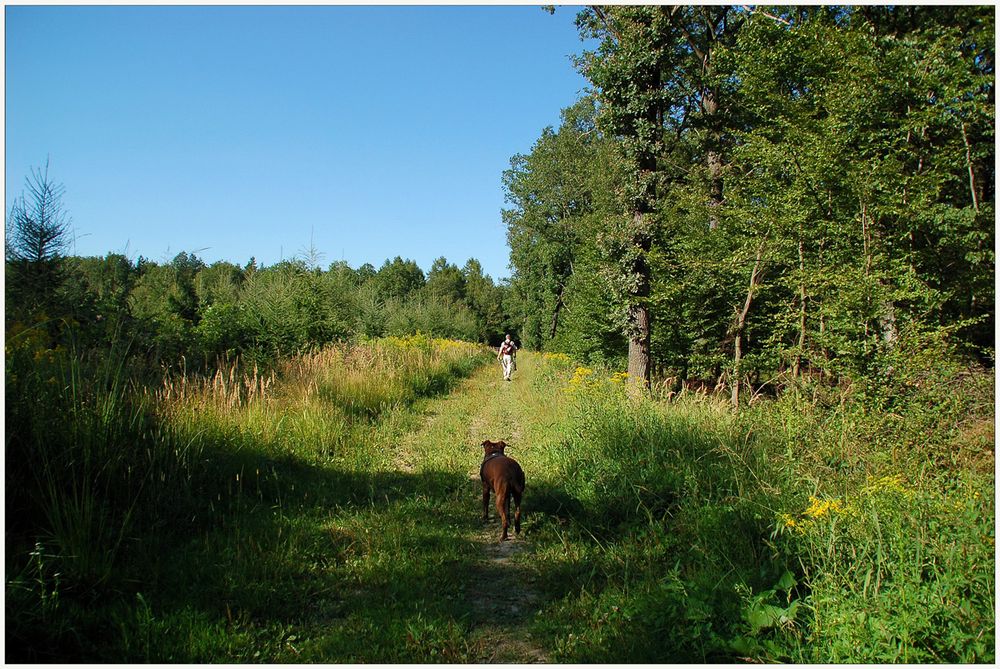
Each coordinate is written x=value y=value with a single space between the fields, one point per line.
x=381 y=131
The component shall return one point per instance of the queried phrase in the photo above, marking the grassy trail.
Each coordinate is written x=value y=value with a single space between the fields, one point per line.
x=334 y=517
x=384 y=558
x=499 y=600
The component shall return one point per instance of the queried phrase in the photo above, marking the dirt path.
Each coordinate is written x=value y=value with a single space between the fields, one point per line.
x=506 y=601
x=502 y=599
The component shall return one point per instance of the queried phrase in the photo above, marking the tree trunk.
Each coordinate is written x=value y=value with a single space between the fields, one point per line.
x=638 y=346
x=555 y=312
x=639 y=331
x=713 y=162
x=972 y=172
x=868 y=268
x=887 y=323
x=741 y=322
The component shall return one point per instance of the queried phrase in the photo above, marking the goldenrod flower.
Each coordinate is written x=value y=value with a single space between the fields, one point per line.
x=822 y=507
x=894 y=483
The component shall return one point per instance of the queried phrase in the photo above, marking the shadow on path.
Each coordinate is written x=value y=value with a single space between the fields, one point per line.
x=504 y=601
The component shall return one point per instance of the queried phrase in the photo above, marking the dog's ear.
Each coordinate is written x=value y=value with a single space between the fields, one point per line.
x=502 y=444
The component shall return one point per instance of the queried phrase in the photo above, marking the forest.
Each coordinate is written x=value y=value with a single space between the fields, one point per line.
x=751 y=194
x=752 y=279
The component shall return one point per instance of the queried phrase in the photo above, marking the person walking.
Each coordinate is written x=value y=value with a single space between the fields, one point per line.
x=505 y=355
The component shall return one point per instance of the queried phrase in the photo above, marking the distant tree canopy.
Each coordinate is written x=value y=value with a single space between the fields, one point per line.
x=185 y=309
x=763 y=190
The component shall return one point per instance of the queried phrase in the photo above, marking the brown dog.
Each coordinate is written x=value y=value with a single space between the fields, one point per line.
x=505 y=478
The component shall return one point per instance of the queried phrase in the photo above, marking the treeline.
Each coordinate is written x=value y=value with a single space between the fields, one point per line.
x=745 y=193
x=188 y=310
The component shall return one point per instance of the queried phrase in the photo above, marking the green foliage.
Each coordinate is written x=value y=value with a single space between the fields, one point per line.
x=485 y=300
x=98 y=290
x=434 y=316
x=189 y=314
x=218 y=283
x=801 y=184
x=36 y=237
x=397 y=279
x=802 y=529
x=445 y=281
x=158 y=320
x=556 y=298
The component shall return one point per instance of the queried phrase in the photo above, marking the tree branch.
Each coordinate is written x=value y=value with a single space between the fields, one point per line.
x=607 y=22
x=972 y=172
x=770 y=16
x=680 y=26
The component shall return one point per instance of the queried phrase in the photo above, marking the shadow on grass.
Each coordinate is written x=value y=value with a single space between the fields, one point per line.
x=364 y=566
x=645 y=553
x=226 y=554
x=277 y=559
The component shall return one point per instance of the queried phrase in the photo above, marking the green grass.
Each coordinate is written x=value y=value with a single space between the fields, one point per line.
x=330 y=513
x=684 y=532
x=281 y=506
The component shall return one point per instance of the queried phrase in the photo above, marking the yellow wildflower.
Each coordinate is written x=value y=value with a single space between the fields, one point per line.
x=894 y=483
x=822 y=507
x=580 y=376
x=580 y=379
x=619 y=378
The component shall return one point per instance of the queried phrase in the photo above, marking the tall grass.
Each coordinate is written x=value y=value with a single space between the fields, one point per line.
x=85 y=456
x=265 y=514
x=374 y=377
x=806 y=528
x=87 y=467
x=109 y=477
x=891 y=527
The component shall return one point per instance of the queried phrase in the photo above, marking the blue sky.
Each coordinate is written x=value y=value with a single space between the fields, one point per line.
x=244 y=131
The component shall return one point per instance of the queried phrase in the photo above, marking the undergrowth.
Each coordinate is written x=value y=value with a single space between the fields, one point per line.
x=278 y=516
x=178 y=521
x=805 y=529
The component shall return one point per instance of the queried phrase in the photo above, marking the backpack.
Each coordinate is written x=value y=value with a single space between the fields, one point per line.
x=507 y=348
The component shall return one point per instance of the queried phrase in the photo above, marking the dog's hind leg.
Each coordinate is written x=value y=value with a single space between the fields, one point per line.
x=516 y=494
x=517 y=490
x=503 y=494
x=486 y=501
